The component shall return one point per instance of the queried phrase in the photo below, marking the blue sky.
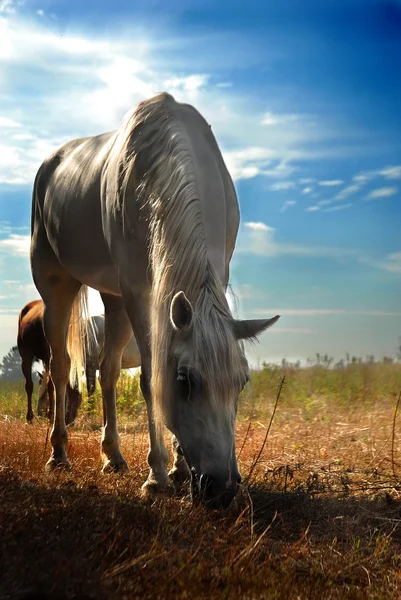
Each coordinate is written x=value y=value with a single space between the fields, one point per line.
x=304 y=99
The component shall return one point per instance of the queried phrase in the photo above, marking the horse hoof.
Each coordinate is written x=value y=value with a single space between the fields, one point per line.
x=179 y=477
x=119 y=466
x=57 y=463
x=153 y=488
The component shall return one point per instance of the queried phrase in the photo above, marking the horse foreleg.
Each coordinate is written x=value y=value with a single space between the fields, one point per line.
x=158 y=480
x=117 y=333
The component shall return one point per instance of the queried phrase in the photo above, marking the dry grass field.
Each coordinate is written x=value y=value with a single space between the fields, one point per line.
x=319 y=516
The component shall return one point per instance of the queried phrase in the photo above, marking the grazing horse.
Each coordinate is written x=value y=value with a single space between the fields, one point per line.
x=32 y=345
x=148 y=216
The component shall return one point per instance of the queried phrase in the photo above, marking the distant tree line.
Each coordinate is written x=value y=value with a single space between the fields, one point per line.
x=10 y=366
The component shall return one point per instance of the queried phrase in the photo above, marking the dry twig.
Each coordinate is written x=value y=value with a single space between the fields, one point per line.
x=393 y=434
x=255 y=462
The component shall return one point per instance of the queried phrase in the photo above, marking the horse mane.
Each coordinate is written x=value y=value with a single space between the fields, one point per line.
x=158 y=155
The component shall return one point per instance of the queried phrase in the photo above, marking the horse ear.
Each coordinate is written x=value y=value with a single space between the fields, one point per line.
x=180 y=312
x=251 y=328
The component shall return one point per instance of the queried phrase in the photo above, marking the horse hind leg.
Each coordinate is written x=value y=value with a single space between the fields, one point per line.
x=56 y=318
x=26 y=367
x=58 y=290
x=117 y=334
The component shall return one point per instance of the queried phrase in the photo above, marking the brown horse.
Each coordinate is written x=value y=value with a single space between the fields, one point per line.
x=32 y=344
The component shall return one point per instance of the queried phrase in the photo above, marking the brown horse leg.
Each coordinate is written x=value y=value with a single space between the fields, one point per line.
x=26 y=367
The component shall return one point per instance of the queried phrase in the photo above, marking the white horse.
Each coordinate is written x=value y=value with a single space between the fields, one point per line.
x=148 y=216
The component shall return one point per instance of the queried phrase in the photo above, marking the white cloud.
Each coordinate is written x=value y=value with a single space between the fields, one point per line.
x=282 y=185
x=306 y=180
x=189 y=84
x=6 y=122
x=287 y=204
x=383 y=192
x=8 y=7
x=281 y=169
x=331 y=182
x=259 y=239
x=307 y=190
x=18 y=245
x=338 y=207
x=347 y=191
x=100 y=75
x=18 y=286
x=314 y=208
x=392 y=262
x=258 y=226
x=247 y=163
x=19 y=162
x=362 y=178
x=391 y=172
x=275 y=119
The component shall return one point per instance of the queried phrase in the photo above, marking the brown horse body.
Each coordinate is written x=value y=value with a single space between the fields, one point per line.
x=32 y=345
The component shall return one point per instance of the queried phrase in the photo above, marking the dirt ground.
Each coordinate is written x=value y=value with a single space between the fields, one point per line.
x=320 y=518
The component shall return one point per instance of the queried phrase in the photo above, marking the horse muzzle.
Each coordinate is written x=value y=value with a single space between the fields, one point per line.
x=214 y=493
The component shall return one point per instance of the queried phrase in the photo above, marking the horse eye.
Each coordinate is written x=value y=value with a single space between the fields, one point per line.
x=183 y=378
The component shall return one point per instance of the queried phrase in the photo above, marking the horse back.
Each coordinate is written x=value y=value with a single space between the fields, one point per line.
x=31 y=338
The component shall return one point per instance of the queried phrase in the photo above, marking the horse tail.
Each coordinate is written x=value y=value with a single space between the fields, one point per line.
x=80 y=335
